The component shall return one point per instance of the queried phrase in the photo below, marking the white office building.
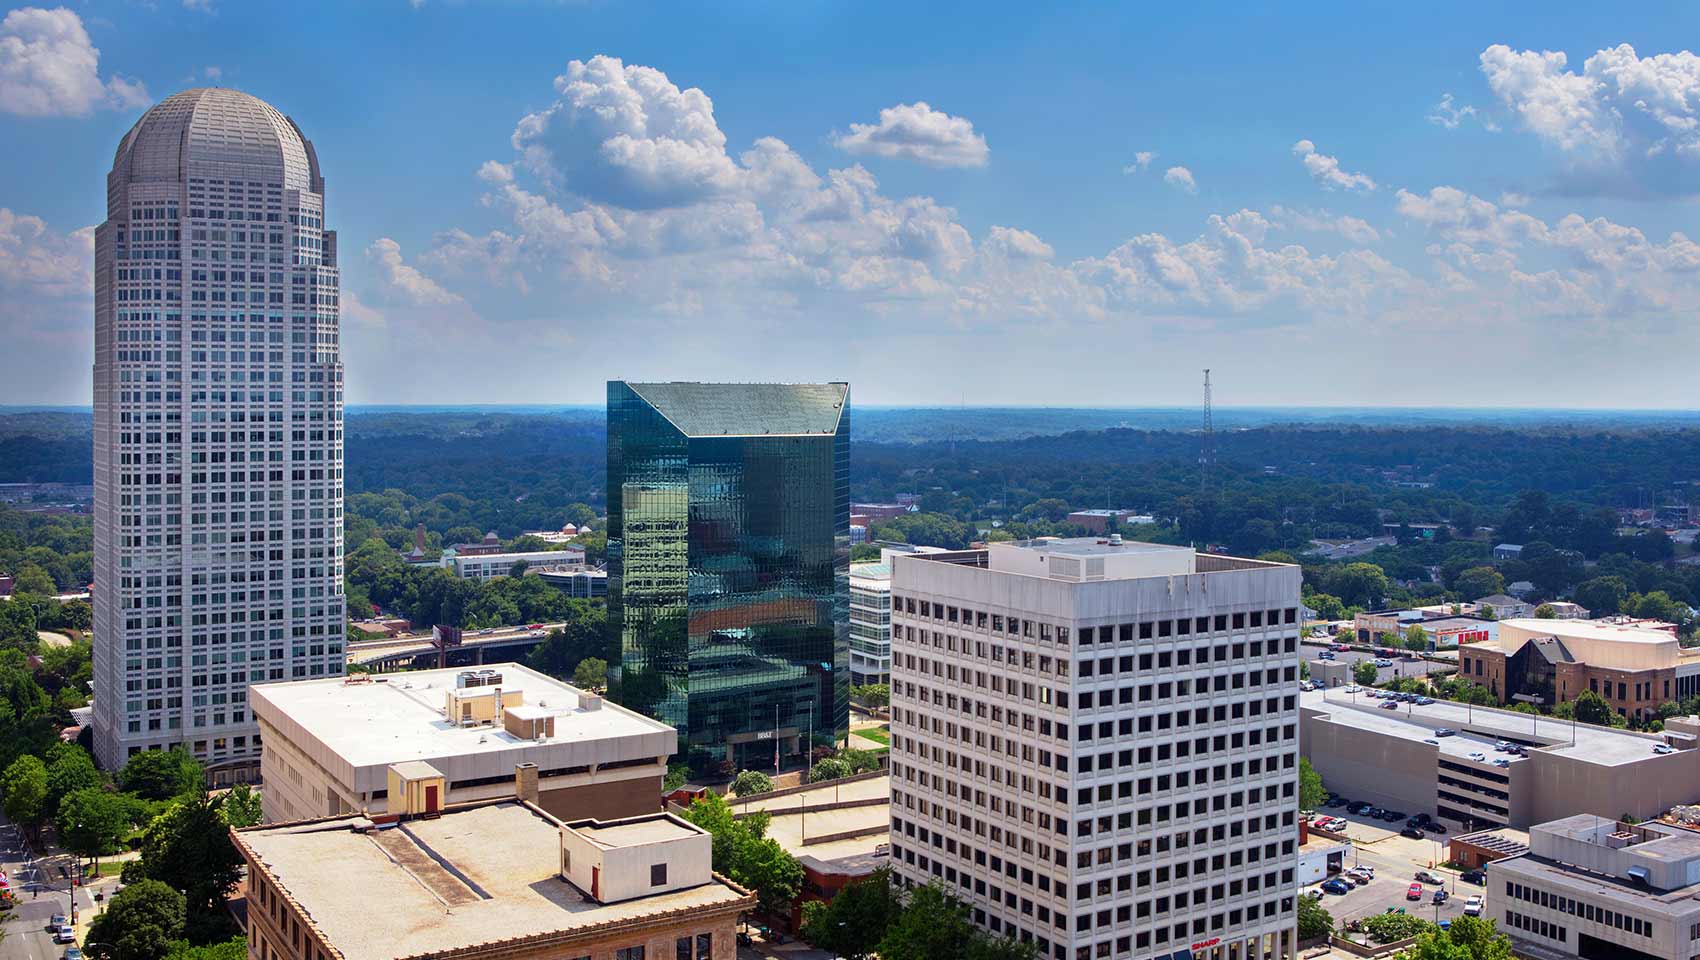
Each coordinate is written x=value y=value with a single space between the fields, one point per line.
x=1095 y=745
x=217 y=428
x=485 y=566
x=870 y=615
x=1601 y=889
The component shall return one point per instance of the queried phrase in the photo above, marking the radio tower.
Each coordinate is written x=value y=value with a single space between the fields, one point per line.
x=1207 y=450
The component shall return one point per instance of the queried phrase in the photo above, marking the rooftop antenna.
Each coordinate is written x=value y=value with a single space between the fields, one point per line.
x=1207 y=449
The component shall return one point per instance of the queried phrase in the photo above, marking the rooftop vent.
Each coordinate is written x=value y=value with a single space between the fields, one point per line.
x=589 y=701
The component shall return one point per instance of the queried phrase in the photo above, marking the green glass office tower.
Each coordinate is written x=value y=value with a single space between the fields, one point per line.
x=728 y=564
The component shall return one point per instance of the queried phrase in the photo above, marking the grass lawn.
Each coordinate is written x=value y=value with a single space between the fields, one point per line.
x=876 y=734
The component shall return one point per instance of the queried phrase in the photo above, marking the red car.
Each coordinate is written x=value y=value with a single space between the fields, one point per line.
x=1414 y=892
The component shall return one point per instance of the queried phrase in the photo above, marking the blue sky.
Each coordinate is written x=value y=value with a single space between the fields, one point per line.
x=1445 y=205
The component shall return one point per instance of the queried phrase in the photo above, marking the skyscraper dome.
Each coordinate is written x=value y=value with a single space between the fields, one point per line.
x=217 y=133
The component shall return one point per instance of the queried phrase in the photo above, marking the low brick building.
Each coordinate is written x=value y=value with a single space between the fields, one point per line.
x=499 y=879
x=1553 y=661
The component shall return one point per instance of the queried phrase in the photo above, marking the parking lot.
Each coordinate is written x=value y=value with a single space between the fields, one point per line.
x=1401 y=667
x=1396 y=860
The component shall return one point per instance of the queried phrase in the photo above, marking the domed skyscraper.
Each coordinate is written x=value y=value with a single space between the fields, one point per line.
x=218 y=429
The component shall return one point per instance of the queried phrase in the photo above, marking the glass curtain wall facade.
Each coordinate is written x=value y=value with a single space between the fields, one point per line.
x=728 y=565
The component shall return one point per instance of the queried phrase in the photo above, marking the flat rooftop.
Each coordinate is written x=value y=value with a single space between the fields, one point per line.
x=635 y=832
x=399 y=716
x=475 y=875
x=1479 y=727
x=1094 y=546
x=1590 y=630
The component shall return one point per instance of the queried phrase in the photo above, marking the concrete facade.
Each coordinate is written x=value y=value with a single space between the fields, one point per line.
x=329 y=744
x=1393 y=759
x=1094 y=745
x=1633 y=668
x=1598 y=888
x=217 y=428
x=487 y=881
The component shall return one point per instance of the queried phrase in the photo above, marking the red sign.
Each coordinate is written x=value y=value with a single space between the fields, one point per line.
x=1206 y=944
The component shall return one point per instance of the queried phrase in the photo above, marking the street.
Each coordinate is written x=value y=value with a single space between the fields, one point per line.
x=40 y=893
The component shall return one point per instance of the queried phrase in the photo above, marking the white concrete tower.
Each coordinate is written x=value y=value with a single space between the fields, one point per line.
x=217 y=429
x=1094 y=744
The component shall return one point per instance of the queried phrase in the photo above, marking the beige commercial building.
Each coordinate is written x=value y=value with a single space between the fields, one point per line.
x=330 y=744
x=1633 y=667
x=1448 y=760
x=500 y=879
x=1601 y=889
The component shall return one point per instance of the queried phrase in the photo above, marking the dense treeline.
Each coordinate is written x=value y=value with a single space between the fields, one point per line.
x=434 y=595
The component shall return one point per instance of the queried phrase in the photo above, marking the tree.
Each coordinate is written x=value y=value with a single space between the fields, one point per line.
x=31 y=578
x=584 y=635
x=69 y=769
x=677 y=775
x=25 y=789
x=1327 y=606
x=1314 y=920
x=242 y=806
x=591 y=674
x=139 y=923
x=742 y=853
x=188 y=846
x=236 y=948
x=750 y=782
x=936 y=926
x=1416 y=638
x=832 y=768
x=855 y=920
x=876 y=695
x=1364 y=672
x=92 y=821
x=1545 y=612
x=1356 y=584
x=1603 y=596
x=1477 y=582
x=161 y=774
x=1388 y=927
x=1312 y=794
x=1469 y=938
x=1590 y=707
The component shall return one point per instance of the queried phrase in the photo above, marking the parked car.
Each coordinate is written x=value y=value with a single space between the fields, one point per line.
x=1420 y=818
x=1414 y=892
x=1434 y=826
x=1424 y=701
x=1664 y=748
x=1473 y=905
x=1383 y=662
x=1411 y=832
x=1501 y=762
x=1501 y=745
x=1366 y=872
x=1393 y=816
x=1477 y=877
x=1429 y=876
x=1337 y=886
x=1388 y=705
x=1445 y=732
x=1439 y=896
x=1431 y=740
x=1325 y=655
x=1334 y=803
x=1341 y=648
x=1478 y=756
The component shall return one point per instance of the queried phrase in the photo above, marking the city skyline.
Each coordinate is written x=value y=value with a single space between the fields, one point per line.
x=1297 y=200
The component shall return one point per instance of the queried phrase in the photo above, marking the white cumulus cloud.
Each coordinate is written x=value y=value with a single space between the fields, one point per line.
x=1624 y=114
x=1326 y=171
x=1181 y=179
x=1141 y=161
x=1451 y=115
x=915 y=131
x=49 y=67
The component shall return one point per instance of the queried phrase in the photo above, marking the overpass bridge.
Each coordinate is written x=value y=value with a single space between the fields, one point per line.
x=493 y=645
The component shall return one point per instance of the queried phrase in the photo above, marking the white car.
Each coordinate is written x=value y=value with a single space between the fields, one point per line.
x=1473 y=906
x=65 y=934
x=1501 y=745
x=1664 y=748
x=1383 y=662
x=1365 y=869
x=1478 y=756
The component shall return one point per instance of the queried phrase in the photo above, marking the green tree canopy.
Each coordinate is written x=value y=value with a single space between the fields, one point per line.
x=188 y=846
x=69 y=768
x=852 y=924
x=1314 y=919
x=750 y=782
x=743 y=853
x=1364 y=672
x=1590 y=707
x=1603 y=596
x=831 y=768
x=1311 y=792
x=93 y=820
x=24 y=787
x=936 y=926
x=591 y=674
x=139 y=923
x=1477 y=582
x=241 y=807
x=161 y=774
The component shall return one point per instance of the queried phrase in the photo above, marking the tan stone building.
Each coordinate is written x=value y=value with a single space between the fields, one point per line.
x=329 y=745
x=1552 y=661
x=495 y=879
